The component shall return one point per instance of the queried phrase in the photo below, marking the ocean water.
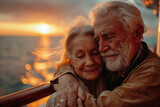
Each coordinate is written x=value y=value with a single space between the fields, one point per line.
x=15 y=53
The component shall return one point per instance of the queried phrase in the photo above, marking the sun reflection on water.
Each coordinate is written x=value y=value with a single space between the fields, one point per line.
x=38 y=72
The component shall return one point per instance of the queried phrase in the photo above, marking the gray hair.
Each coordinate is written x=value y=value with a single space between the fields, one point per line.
x=127 y=13
x=80 y=26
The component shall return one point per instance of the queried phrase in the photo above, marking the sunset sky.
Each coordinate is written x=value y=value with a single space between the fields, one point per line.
x=20 y=17
x=27 y=17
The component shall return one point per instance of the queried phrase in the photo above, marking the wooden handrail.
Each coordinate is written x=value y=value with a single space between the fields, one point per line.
x=26 y=96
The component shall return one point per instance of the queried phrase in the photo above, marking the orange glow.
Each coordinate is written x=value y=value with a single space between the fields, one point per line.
x=39 y=103
x=146 y=3
x=28 y=67
x=151 y=1
x=30 y=29
x=40 y=66
x=44 y=28
x=158 y=38
x=43 y=52
x=29 y=79
x=155 y=11
x=39 y=73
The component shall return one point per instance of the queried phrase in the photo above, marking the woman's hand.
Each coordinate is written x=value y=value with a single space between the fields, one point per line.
x=69 y=92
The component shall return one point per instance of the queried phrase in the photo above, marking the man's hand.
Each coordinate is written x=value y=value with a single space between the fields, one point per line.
x=68 y=90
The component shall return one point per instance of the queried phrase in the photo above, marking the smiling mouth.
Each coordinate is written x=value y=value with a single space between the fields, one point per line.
x=91 y=71
x=113 y=55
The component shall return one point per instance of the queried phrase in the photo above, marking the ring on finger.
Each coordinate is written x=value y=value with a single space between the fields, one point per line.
x=57 y=105
x=61 y=100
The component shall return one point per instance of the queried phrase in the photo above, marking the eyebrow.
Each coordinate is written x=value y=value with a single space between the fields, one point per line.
x=108 y=32
x=95 y=48
x=78 y=50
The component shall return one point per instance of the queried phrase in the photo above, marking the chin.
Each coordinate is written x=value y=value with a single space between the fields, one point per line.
x=116 y=65
x=92 y=77
x=112 y=66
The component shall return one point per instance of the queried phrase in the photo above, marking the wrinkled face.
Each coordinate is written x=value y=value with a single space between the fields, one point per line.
x=114 y=46
x=85 y=57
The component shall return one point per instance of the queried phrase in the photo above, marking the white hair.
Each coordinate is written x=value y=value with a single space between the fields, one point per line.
x=127 y=14
x=80 y=26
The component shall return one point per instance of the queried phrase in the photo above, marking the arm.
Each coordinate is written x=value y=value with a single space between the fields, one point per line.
x=63 y=70
x=142 y=89
x=67 y=88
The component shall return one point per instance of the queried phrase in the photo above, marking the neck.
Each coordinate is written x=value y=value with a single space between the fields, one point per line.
x=137 y=53
x=91 y=85
x=89 y=82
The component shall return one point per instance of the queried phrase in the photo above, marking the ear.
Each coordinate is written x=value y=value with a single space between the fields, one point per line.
x=70 y=61
x=138 y=34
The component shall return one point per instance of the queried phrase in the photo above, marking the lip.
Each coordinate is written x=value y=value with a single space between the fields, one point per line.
x=113 y=55
x=91 y=70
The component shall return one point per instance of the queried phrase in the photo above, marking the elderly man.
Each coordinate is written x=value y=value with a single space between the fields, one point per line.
x=134 y=71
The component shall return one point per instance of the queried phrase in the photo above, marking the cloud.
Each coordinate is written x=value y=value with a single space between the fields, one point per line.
x=51 y=11
x=57 y=12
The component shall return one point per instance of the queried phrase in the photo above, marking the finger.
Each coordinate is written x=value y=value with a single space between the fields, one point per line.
x=63 y=102
x=81 y=93
x=72 y=99
x=51 y=100
x=79 y=103
x=60 y=100
x=56 y=87
x=59 y=103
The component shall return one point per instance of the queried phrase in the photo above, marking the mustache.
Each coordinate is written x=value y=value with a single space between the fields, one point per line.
x=109 y=52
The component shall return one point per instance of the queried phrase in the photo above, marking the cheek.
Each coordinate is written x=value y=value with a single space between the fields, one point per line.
x=98 y=60
x=115 y=45
x=78 y=65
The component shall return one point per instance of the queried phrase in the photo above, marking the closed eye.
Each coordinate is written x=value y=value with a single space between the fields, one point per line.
x=80 y=55
x=111 y=37
x=95 y=51
x=97 y=39
x=108 y=36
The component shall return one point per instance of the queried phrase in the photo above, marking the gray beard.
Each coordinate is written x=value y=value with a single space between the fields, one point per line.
x=122 y=62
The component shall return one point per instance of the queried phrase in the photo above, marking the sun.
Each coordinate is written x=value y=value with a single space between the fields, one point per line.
x=43 y=28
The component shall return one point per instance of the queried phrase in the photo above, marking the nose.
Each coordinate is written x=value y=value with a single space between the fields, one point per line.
x=89 y=61
x=103 y=46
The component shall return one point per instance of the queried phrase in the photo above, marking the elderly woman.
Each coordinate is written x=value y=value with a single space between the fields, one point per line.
x=81 y=52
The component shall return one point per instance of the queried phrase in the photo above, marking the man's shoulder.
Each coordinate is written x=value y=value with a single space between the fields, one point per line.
x=152 y=58
x=148 y=68
x=150 y=63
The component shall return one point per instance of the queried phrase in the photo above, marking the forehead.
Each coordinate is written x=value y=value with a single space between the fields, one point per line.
x=83 y=41
x=108 y=25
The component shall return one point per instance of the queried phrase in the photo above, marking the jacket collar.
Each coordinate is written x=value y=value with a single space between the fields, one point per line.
x=115 y=80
